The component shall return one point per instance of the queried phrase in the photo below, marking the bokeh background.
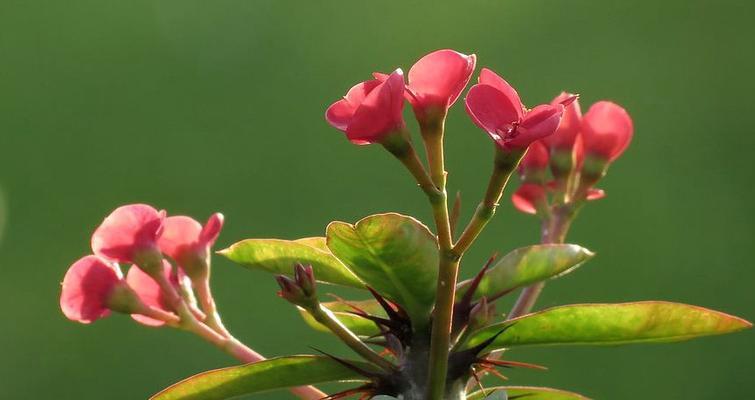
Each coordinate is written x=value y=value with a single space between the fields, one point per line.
x=198 y=106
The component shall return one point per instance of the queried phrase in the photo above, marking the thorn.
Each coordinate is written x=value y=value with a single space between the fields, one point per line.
x=497 y=374
x=480 y=347
x=469 y=294
x=348 y=364
x=392 y=313
x=512 y=364
x=479 y=383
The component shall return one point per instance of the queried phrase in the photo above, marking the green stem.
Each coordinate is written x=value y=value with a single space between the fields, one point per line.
x=326 y=317
x=505 y=163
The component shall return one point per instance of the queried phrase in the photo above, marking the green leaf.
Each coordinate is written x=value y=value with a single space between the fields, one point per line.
x=279 y=256
x=394 y=254
x=527 y=265
x=355 y=323
x=611 y=324
x=528 y=393
x=274 y=373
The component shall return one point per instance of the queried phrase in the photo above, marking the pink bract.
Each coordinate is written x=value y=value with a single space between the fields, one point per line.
x=527 y=198
x=496 y=108
x=87 y=286
x=126 y=231
x=371 y=110
x=437 y=79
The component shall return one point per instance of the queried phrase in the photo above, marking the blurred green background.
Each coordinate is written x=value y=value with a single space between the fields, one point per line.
x=198 y=106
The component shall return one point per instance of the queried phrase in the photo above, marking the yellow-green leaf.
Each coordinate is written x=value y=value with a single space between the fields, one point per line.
x=611 y=324
x=527 y=265
x=528 y=393
x=279 y=256
x=271 y=374
x=394 y=254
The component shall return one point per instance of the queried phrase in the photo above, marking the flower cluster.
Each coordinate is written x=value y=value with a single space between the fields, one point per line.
x=152 y=290
x=372 y=111
x=577 y=156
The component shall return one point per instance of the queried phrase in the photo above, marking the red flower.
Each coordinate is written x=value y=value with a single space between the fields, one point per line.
x=128 y=233
x=606 y=130
x=566 y=134
x=529 y=198
x=371 y=110
x=495 y=107
x=149 y=292
x=188 y=243
x=437 y=80
x=87 y=288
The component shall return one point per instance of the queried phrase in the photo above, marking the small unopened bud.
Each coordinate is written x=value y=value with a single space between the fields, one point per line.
x=305 y=278
x=300 y=290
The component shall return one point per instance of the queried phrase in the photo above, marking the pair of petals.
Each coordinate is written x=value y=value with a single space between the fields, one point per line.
x=370 y=110
x=91 y=281
x=436 y=80
x=496 y=108
x=128 y=230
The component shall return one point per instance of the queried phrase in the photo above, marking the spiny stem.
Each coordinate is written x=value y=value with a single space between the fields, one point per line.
x=326 y=317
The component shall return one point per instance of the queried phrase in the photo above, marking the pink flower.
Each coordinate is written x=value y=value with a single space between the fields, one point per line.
x=606 y=130
x=87 y=288
x=371 y=110
x=188 y=243
x=529 y=198
x=129 y=233
x=437 y=79
x=149 y=292
x=495 y=107
x=565 y=135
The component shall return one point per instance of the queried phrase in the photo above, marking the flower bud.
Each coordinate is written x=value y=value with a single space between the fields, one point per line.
x=606 y=131
x=534 y=165
x=300 y=290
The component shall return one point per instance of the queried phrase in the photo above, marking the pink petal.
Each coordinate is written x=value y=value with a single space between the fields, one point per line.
x=537 y=157
x=568 y=129
x=127 y=230
x=490 y=78
x=527 y=198
x=437 y=79
x=492 y=111
x=212 y=229
x=149 y=292
x=180 y=234
x=86 y=287
x=595 y=194
x=540 y=122
x=380 y=113
x=606 y=130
